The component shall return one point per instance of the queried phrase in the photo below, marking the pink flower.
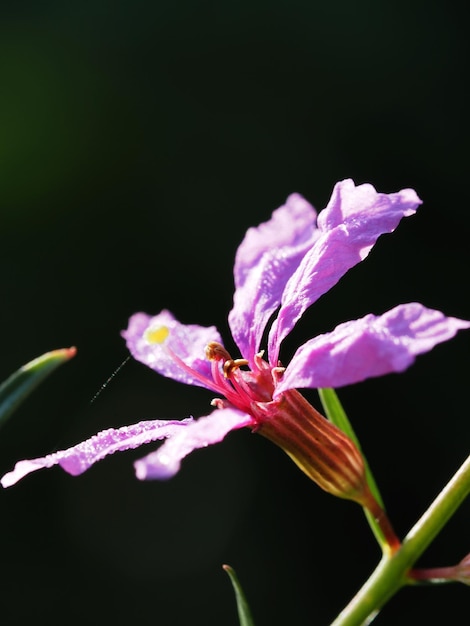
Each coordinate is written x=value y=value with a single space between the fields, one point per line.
x=284 y=266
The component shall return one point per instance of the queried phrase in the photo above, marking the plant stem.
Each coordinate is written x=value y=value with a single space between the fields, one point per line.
x=392 y=571
x=434 y=575
x=378 y=518
x=335 y=412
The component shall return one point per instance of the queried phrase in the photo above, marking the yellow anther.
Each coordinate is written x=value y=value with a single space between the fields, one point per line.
x=216 y=352
x=231 y=365
x=157 y=335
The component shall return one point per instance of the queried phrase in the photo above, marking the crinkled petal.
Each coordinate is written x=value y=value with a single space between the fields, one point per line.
x=166 y=461
x=370 y=346
x=265 y=260
x=155 y=340
x=349 y=226
x=289 y=225
x=79 y=458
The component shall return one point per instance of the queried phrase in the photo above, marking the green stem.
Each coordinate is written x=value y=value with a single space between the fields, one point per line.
x=392 y=571
x=337 y=415
x=434 y=575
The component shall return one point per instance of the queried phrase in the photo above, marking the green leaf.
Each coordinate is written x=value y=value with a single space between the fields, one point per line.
x=244 y=614
x=22 y=382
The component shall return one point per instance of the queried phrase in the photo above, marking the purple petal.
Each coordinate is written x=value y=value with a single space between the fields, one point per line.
x=289 y=225
x=266 y=258
x=153 y=340
x=166 y=461
x=370 y=346
x=79 y=458
x=349 y=226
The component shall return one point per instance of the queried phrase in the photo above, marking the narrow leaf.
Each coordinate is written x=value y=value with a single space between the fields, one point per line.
x=22 y=382
x=244 y=614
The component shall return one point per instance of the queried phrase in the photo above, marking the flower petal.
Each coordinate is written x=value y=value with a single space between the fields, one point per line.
x=166 y=461
x=370 y=346
x=79 y=458
x=349 y=226
x=265 y=260
x=154 y=340
x=289 y=225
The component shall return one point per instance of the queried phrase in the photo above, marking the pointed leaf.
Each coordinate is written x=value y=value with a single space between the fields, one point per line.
x=244 y=614
x=22 y=382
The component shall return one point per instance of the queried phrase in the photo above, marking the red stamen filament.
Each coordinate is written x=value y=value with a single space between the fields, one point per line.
x=225 y=380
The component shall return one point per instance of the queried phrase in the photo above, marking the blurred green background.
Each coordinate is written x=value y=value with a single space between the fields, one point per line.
x=138 y=142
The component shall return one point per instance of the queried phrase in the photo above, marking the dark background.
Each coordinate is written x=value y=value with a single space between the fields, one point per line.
x=138 y=142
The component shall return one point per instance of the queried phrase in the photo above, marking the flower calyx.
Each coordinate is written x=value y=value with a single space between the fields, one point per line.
x=319 y=448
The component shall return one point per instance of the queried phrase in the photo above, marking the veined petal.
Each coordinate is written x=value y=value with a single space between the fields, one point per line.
x=367 y=347
x=79 y=458
x=289 y=225
x=266 y=258
x=154 y=340
x=349 y=227
x=362 y=202
x=166 y=461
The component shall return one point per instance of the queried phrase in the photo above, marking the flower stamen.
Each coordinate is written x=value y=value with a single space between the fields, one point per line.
x=237 y=391
x=231 y=365
x=216 y=352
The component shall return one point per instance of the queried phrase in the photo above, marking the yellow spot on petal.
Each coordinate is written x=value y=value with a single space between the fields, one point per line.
x=157 y=335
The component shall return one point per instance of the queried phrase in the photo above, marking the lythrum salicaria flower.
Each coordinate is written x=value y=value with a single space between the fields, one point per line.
x=284 y=265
